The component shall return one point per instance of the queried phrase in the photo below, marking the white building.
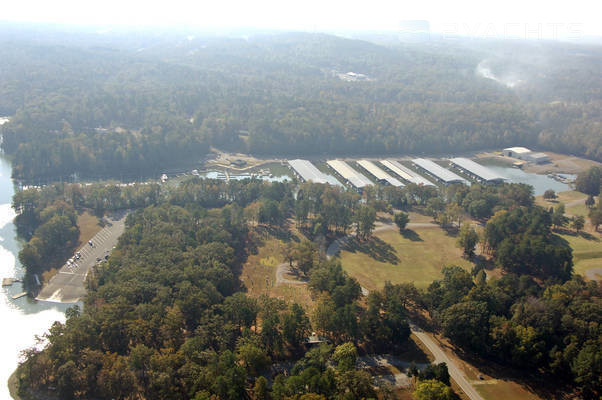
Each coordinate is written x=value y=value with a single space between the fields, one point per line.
x=523 y=153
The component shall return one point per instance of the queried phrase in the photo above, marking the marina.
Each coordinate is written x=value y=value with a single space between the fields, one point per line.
x=355 y=178
x=308 y=172
x=476 y=171
x=406 y=173
x=379 y=174
x=442 y=174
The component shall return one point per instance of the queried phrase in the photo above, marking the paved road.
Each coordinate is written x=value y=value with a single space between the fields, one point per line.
x=425 y=338
x=455 y=373
x=285 y=268
x=68 y=285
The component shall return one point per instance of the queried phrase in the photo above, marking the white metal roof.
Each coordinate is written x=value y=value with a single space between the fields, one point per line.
x=438 y=171
x=379 y=173
x=357 y=179
x=309 y=172
x=477 y=169
x=406 y=173
x=518 y=150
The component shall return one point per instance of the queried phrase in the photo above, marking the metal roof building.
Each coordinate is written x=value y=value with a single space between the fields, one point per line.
x=308 y=172
x=442 y=174
x=406 y=173
x=355 y=178
x=477 y=171
x=517 y=150
x=522 y=153
x=379 y=174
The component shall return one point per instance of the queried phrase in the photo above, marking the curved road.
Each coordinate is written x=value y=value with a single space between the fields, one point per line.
x=285 y=268
x=440 y=356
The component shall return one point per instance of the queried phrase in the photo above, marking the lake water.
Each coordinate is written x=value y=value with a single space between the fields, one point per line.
x=22 y=318
x=540 y=183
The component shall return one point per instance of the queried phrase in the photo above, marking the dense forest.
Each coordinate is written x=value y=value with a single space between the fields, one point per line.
x=167 y=316
x=116 y=104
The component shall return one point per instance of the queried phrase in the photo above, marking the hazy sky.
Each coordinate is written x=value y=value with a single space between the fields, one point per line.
x=510 y=18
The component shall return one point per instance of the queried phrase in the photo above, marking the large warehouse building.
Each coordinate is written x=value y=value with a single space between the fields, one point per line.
x=476 y=171
x=523 y=153
x=308 y=172
x=355 y=178
x=379 y=174
x=406 y=173
x=437 y=171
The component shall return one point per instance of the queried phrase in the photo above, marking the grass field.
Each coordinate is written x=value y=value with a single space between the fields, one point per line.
x=417 y=257
x=567 y=198
x=573 y=201
x=587 y=251
x=502 y=390
x=88 y=226
x=587 y=245
x=563 y=197
x=259 y=275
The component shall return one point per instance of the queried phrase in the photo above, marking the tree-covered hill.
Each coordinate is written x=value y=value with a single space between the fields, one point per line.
x=163 y=98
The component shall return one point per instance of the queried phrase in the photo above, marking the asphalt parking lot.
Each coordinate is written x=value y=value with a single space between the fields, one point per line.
x=68 y=285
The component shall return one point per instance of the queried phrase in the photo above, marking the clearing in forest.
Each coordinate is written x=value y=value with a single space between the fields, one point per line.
x=417 y=255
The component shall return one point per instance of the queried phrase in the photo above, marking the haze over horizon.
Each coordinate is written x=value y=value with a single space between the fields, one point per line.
x=515 y=19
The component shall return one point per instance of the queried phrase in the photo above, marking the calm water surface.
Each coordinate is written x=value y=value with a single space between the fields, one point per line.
x=23 y=318
x=540 y=183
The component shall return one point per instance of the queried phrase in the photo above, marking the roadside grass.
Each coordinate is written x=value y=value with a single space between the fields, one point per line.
x=88 y=226
x=415 y=256
x=418 y=218
x=579 y=209
x=566 y=198
x=498 y=383
x=503 y=390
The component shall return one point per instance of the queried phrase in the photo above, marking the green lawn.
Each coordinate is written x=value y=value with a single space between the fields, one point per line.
x=418 y=257
x=587 y=251
x=566 y=198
